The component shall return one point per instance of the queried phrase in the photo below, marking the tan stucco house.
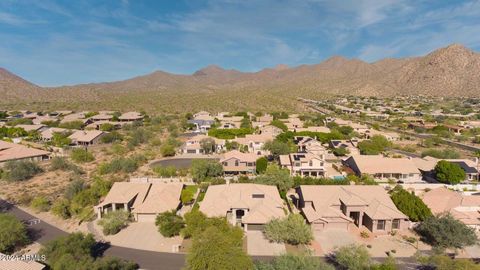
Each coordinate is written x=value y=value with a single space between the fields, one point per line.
x=248 y=205
x=236 y=162
x=339 y=207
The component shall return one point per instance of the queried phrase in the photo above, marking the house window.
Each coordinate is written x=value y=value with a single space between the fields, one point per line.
x=225 y=163
x=396 y=224
x=381 y=225
x=310 y=163
x=258 y=196
x=236 y=162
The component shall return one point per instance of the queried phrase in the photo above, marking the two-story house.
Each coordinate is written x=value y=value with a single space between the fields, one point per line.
x=339 y=207
x=304 y=164
x=236 y=162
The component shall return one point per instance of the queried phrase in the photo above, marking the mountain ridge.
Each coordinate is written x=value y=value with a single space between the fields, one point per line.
x=450 y=71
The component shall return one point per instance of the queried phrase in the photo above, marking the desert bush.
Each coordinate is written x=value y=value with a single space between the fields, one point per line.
x=20 y=170
x=40 y=204
x=169 y=223
x=81 y=155
x=114 y=221
x=61 y=208
x=13 y=233
x=292 y=230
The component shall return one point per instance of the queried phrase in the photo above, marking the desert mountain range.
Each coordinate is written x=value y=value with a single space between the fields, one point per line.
x=449 y=71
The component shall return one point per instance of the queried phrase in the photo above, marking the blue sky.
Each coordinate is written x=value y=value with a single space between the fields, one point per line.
x=54 y=43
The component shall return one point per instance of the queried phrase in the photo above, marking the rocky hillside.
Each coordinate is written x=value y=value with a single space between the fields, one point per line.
x=450 y=71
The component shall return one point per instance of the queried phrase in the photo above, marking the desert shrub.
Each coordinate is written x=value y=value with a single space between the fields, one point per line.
x=353 y=257
x=292 y=230
x=169 y=223
x=81 y=155
x=276 y=176
x=114 y=221
x=74 y=187
x=76 y=250
x=229 y=134
x=20 y=170
x=188 y=194
x=202 y=169
x=444 y=231
x=279 y=124
x=294 y=262
x=13 y=233
x=374 y=146
x=71 y=125
x=61 y=208
x=111 y=137
x=40 y=204
x=298 y=180
x=61 y=163
x=167 y=150
x=168 y=171
x=441 y=154
x=121 y=164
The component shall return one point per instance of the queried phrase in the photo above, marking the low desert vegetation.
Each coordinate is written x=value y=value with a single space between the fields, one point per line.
x=13 y=234
x=81 y=155
x=294 y=262
x=169 y=223
x=291 y=230
x=114 y=221
x=78 y=251
x=20 y=170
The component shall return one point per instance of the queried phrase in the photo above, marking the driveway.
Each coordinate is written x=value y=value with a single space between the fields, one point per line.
x=144 y=236
x=258 y=245
x=331 y=239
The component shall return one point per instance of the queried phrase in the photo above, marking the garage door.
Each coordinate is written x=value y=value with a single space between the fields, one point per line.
x=338 y=225
x=317 y=226
x=146 y=217
x=255 y=227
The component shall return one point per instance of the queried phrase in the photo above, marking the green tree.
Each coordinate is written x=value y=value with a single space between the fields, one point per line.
x=340 y=151
x=61 y=208
x=449 y=173
x=61 y=139
x=112 y=263
x=169 y=223
x=202 y=169
x=444 y=231
x=292 y=230
x=376 y=145
x=276 y=176
x=409 y=204
x=188 y=194
x=114 y=221
x=261 y=165
x=207 y=145
x=353 y=257
x=72 y=125
x=218 y=249
x=13 y=233
x=277 y=148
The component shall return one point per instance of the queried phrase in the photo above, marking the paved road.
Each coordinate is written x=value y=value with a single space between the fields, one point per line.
x=44 y=232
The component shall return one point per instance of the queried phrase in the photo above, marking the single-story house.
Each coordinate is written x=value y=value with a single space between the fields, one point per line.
x=250 y=206
x=314 y=129
x=12 y=151
x=338 y=207
x=202 y=125
x=130 y=117
x=382 y=168
x=86 y=137
x=270 y=130
x=28 y=128
x=47 y=134
x=236 y=162
x=144 y=200
x=465 y=208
